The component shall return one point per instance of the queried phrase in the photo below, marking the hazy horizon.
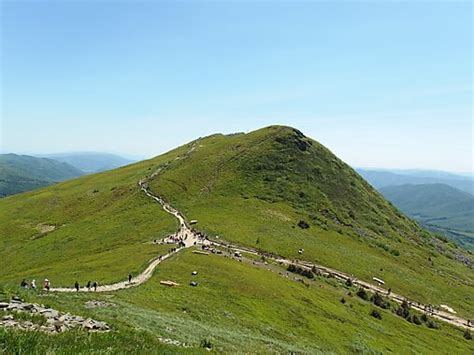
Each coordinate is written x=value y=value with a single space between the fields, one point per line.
x=385 y=85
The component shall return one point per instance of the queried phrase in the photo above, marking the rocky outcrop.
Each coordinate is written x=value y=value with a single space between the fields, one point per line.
x=99 y=304
x=41 y=318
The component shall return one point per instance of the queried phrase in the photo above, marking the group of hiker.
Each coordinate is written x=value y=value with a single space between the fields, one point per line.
x=47 y=284
x=90 y=285
x=32 y=284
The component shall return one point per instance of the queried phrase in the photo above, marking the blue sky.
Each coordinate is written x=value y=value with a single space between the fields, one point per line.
x=382 y=84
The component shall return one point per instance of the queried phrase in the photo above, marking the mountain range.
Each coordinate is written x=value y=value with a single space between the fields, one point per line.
x=19 y=173
x=439 y=207
x=383 y=178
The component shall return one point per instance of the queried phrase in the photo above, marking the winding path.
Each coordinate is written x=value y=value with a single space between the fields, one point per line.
x=184 y=233
x=190 y=239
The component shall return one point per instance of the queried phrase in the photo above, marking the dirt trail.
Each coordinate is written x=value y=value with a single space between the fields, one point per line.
x=184 y=233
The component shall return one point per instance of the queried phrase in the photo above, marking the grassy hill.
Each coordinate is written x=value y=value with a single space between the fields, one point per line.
x=438 y=206
x=255 y=189
x=19 y=173
x=273 y=189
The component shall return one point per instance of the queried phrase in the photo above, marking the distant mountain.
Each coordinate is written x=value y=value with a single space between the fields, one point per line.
x=434 y=174
x=439 y=207
x=383 y=178
x=90 y=162
x=19 y=173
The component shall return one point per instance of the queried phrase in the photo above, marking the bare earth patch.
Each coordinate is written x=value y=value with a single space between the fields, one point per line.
x=44 y=228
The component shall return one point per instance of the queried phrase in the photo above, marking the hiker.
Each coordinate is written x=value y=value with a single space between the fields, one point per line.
x=129 y=278
x=95 y=285
x=89 y=285
x=76 y=286
x=24 y=284
x=389 y=291
x=33 y=284
x=47 y=284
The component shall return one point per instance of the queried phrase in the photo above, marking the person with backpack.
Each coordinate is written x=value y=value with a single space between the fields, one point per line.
x=95 y=285
x=89 y=285
x=47 y=284
x=76 y=286
x=130 y=278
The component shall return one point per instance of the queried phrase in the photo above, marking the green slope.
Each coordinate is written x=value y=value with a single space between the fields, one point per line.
x=19 y=173
x=438 y=206
x=253 y=189
x=241 y=308
x=95 y=227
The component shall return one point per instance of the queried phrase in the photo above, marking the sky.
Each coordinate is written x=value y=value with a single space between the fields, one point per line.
x=382 y=84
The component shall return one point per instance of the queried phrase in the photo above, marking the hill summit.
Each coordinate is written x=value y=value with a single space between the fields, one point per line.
x=280 y=165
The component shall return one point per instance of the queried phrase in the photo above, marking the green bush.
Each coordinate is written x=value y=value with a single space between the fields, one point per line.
x=431 y=324
x=362 y=294
x=376 y=314
x=379 y=301
x=205 y=343
x=404 y=310
x=416 y=320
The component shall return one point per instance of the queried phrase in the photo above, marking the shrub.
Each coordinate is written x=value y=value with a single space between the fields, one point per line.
x=379 y=301
x=432 y=324
x=404 y=310
x=298 y=270
x=395 y=252
x=467 y=335
x=376 y=314
x=362 y=294
x=205 y=343
x=343 y=300
x=348 y=282
x=307 y=273
x=303 y=224
x=424 y=317
x=415 y=319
